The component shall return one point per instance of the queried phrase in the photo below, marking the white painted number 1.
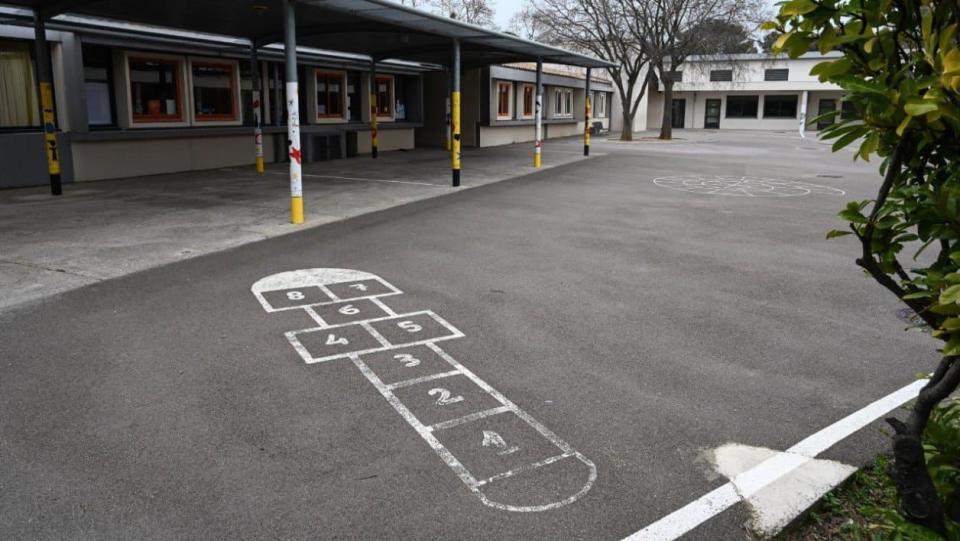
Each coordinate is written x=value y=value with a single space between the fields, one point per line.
x=444 y=396
x=349 y=310
x=332 y=340
x=295 y=295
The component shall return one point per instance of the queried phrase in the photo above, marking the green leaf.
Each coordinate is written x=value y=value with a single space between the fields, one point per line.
x=950 y=295
x=920 y=107
x=832 y=234
x=831 y=68
x=797 y=7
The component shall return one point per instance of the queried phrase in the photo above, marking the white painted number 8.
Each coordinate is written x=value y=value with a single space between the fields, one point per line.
x=295 y=295
x=409 y=326
x=349 y=310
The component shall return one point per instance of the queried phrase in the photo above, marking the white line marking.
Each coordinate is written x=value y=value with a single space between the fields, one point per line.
x=468 y=418
x=316 y=317
x=522 y=469
x=380 y=338
x=749 y=482
x=414 y=381
x=384 y=307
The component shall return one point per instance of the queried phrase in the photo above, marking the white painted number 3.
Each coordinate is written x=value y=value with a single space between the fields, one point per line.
x=444 y=396
x=408 y=360
x=409 y=326
x=349 y=310
x=332 y=340
x=295 y=295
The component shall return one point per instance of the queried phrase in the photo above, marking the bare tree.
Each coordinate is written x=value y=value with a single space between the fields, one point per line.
x=671 y=30
x=478 y=12
x=601 y=28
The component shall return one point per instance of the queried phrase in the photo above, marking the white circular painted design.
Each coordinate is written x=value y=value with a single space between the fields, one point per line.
x=743 y=186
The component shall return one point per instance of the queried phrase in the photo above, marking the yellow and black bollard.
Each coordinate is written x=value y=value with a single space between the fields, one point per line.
x=455 y=114
x=587 y=110
x=45 y=84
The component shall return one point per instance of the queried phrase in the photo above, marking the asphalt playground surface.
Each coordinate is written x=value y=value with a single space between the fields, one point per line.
x=639 y=323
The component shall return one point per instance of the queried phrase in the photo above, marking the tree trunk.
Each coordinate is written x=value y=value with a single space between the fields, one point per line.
x=666 y=126
x=919 y=501
x=626 y=134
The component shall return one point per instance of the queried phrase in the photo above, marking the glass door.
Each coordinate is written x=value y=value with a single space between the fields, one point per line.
x=712 y=117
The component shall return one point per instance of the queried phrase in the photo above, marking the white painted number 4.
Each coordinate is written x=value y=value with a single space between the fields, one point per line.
x=295 y=295
x=332 y=340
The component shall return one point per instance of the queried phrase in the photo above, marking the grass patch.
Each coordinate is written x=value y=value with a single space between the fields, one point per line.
x=840 y=514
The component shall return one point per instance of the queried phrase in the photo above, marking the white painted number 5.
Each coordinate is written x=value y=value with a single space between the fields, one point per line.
x=409 y=326
x=295 y=295
x=332 y=340
x=444 y=396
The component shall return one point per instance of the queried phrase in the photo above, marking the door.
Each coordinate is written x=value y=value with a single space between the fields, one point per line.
x=826 y=106
x=679 y=113
x=711 y=119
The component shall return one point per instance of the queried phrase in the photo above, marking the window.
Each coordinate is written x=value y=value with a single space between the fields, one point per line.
x=600 y=105
x=18 y=95
x=354 y=107
x=400 y=92
x=848 y=111
x=214 y=91
x=330 y=95
x=98 y=85
x=504 y=91
x=676 y=76
x=743 y=106
x=721 y=75
x=776 y=74
x=528 y=100
x=155 y=89
x=384 y=96
x=780 y=107
x=246 y=94
x=562 y=102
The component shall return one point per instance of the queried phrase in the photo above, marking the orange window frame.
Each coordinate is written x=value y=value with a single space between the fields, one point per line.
x=341 y=78
x=503 y=99
x=144 y=118
x=233 y=93
x=384 y=107
x=527 y=100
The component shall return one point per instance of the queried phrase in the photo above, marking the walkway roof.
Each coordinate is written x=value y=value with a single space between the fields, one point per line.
x=376 y=28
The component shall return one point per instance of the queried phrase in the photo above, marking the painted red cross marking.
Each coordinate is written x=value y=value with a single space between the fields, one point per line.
x=295 y=154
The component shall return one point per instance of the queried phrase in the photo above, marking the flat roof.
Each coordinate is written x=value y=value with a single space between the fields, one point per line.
x=376 y=28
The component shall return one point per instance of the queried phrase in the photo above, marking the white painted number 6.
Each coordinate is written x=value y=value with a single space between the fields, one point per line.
x=349 y=310
x=409 y=326
x=295 y=295
x=333 y=340
x=408 y=360
x=444 y=396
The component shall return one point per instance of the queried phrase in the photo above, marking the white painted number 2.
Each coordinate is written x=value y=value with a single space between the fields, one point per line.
x=409 y=326
x=349 y=310
x=408 y=360
x=295 y=295
x=332 y=340
x=445 y=398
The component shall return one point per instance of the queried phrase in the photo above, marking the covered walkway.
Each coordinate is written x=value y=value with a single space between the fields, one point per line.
x=105 y=229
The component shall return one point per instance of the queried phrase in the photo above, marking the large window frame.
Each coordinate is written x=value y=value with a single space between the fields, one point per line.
x=742 y=106
x=234 y=116
x=26 y=91
x=528 y=101
x=562 y=102
x=721 y=76
x=157 y=119
x=336 y=76
x=504 y=100
x=599 y=105
x=780 y=100
x=384 y=107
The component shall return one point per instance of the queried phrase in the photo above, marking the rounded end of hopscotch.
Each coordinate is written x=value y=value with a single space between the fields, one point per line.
x=542 y=489
x=304 y=278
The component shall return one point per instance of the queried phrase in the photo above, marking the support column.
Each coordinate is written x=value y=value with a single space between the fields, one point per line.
x=48 y=114
x=587 y=109
x=455 y=114
x=538 y=116
x=293 y=111
x=374 y=136
x=256 y=85
x=803 y=114
x=276 y=94
x=447 y=135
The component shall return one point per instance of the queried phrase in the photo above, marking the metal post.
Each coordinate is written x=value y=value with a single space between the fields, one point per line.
x=538 y=116
x=45 y=89
x=455 y=114
x=293 y=111
x=256 y=83
x=446 y=135
x=587 y=103
x=374 y=139
x=803 y=115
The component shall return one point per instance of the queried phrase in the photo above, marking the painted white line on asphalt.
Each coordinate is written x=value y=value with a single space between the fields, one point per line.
x=469 y=418
x=749 y=482
x=422 y=379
